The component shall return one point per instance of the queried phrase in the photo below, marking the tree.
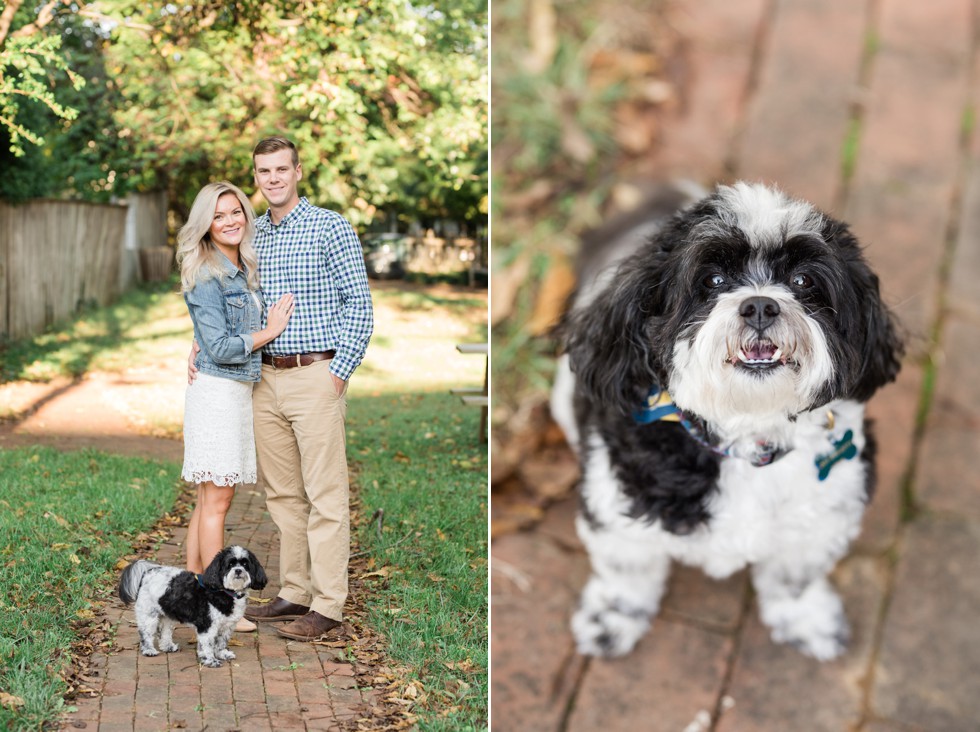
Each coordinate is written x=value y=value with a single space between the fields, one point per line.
x=27 y=56
x=386 y=101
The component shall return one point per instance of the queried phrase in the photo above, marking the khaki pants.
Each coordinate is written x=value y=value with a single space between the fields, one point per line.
x=302 y=464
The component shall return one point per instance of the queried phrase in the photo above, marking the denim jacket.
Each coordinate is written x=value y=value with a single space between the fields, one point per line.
x=225 y=313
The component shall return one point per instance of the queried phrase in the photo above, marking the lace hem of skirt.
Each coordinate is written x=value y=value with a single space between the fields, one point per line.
x=206 y=476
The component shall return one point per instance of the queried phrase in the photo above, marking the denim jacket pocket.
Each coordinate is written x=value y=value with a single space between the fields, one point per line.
x=236 y=305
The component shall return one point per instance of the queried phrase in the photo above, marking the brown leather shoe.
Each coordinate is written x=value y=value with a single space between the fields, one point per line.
x=278 y=609
x=310 y=627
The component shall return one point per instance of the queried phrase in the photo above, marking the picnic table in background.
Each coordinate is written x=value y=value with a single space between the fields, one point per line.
x=476 y=396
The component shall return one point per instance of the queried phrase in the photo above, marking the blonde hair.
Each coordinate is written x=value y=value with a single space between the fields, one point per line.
x=195 y=250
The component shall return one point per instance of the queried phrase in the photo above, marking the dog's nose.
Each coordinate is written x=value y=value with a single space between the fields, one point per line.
x=759 y=312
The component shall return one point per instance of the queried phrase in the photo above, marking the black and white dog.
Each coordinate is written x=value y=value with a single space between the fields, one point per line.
x=212 y=602
x=713 y=384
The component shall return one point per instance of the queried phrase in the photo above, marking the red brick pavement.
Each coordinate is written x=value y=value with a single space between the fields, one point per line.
x=778 y=88
x=273 y=684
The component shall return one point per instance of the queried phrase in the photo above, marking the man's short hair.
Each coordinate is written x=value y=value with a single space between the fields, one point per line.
x=275 y=144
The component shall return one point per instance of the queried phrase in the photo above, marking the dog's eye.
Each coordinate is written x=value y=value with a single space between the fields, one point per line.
x=802 y=281
x=713 y=281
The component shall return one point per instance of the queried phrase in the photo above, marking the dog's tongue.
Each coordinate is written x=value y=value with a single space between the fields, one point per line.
x=760 y=352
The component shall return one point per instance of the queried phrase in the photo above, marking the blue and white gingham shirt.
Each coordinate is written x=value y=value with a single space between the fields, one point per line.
x=315 y=254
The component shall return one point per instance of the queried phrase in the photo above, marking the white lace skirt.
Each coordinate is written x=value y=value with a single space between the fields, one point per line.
x=219 y=442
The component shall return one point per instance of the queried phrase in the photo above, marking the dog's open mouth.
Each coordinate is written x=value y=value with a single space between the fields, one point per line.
x=759 y=356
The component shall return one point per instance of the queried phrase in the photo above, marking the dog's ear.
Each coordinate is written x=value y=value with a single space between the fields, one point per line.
x=610 y=340
x=881 y=346
x=214 y=575
x=259 y=580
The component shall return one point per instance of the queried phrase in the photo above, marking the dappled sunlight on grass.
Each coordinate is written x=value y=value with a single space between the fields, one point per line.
x=150 y=323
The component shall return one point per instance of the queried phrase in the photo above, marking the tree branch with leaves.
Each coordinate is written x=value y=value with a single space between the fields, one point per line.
x=28 y=57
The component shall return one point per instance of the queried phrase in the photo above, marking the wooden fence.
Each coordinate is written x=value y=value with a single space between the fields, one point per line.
x=56 y=256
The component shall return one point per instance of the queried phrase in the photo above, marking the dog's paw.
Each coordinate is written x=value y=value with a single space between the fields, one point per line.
x=210 y=662
x=172 y=648
x=813 y=623
x=608 y=631
x=226 y=655
x=824 y=647
x=149 y=651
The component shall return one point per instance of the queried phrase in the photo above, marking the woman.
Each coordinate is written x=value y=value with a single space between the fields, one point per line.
x=220 y=282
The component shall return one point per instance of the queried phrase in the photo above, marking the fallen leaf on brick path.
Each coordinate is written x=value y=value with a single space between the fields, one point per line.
x=233 y=641
x=637 y=127
x=529 y=198
x=504 y=286
x=551 y=473
x=575 y=141
x=543 y=469
x=610 y=65
x=557 y=284
x=514 y=517
x=330 y=643
x=542 y=20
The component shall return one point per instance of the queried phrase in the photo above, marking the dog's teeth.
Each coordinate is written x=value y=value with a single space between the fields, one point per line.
x=777 y=355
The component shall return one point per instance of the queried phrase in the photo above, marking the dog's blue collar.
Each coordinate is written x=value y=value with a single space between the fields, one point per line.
x=659 y=407
x=230 y=593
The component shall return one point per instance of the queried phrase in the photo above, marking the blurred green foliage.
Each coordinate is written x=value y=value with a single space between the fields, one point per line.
x=561 y=79
x=386 y=100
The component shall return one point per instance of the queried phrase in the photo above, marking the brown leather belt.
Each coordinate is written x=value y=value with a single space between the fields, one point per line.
x=296 y=359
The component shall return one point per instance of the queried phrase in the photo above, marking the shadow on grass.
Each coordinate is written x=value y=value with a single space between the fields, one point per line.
x=69 y=348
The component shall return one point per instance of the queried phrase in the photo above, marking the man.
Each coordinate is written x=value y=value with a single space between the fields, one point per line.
x=299 y=406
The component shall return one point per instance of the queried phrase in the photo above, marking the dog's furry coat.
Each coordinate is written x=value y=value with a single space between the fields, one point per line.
x=212 y=603
x=760 y=318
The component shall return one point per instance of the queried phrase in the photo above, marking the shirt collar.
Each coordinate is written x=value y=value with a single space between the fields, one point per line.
x=264 y=222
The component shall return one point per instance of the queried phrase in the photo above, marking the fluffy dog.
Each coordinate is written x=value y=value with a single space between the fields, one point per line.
x=713 y=384
x=212 y=602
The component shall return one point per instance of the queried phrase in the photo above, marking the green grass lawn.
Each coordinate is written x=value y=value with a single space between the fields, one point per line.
x=418 y=457
x=66 y=519
x=414 y=450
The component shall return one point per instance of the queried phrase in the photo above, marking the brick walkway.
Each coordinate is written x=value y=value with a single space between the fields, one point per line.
x=274 y=684
x=778 y=89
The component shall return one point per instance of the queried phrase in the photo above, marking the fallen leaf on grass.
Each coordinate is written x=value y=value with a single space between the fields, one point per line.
x=466 y=666
x=10 y=701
